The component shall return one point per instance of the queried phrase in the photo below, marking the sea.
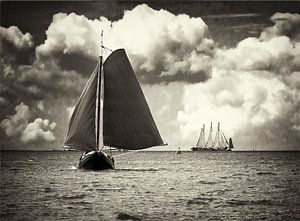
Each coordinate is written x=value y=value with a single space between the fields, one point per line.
x=151 y=186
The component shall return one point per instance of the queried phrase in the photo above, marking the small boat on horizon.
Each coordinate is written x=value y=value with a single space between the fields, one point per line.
x=111 y=112
x=220 y=143
x=178 y=151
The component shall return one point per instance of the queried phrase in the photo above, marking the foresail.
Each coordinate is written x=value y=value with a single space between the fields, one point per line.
x=127 y=120
x=81 y=134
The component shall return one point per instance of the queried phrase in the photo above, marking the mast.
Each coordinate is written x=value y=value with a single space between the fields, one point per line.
x=209 y=142
x=199 y=139
x=98 y=118
x=217 y=138
x=203 y=139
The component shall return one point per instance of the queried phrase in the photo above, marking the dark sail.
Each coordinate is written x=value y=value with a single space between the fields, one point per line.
x=127 y=120
x=82 y=127
x=230 y=144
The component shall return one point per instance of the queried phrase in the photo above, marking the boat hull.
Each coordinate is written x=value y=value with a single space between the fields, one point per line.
x=96 y=161
x=209 y=149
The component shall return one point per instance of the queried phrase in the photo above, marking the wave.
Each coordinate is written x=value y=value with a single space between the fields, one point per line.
x=108 y=189
x=265 y=173
x=76 y=196
x=137 y=170
x=263 y=202
x=126 y=216
x=201 y=201
x=209 y=182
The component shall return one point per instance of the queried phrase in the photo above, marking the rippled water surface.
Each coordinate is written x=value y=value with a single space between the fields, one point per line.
x=152 y=186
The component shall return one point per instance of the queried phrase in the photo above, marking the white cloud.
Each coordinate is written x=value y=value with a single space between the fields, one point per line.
x=254 y=90
x=16 y=37
x=276 y=54
x=39 y=130
x=236 y=99
x=72 y=34
x=16 y=123
x=158 y=42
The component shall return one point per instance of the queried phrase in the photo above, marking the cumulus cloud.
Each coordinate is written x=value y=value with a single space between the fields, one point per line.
x=15 y=124
x=286 y=24
x=253 y=92
x=252 y=89
x=15 y=48
x=30 y=80
x=14 y=35
x=39 y=130
x=236 y=99
x=72 y=33
x=18 y=126
x=166 y=47
x=279 y=55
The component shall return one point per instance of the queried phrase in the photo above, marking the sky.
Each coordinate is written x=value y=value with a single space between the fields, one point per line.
x=233 y=62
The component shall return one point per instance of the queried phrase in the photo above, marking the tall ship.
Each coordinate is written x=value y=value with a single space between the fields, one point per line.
x=218 y=142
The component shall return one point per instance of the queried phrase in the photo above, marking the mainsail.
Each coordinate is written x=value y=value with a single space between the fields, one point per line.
x=201 y=139
x=127 y=120
x=81 y=134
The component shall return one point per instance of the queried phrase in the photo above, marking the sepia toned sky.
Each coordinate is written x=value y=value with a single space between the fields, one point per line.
x=233 y=62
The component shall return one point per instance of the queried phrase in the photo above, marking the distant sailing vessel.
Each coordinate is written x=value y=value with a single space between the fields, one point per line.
x=178 y=151
x=220 y=143
x=111 y=111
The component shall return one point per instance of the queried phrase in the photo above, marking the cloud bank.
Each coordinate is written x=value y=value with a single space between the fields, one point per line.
x=14 y=35
x=163 y=47
x=15 y=124
x=19 y=127
x=39 y=130
x=252 y=89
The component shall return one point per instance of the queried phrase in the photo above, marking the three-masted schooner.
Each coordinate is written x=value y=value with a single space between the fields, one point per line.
x=111 y=111
x=220 y=143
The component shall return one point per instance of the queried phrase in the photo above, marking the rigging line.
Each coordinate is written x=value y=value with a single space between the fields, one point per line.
x=106 y=48
x=105 y=53
x=224 y=137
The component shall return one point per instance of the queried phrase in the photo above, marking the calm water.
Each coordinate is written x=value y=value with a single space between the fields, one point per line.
x=152 y=186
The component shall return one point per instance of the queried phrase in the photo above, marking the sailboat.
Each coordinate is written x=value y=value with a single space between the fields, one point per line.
x=201 y=140
x=111 y=112
x=220 y=143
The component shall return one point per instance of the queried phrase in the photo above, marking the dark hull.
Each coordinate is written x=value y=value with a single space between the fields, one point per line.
x=96 y=161
x=209 y=149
